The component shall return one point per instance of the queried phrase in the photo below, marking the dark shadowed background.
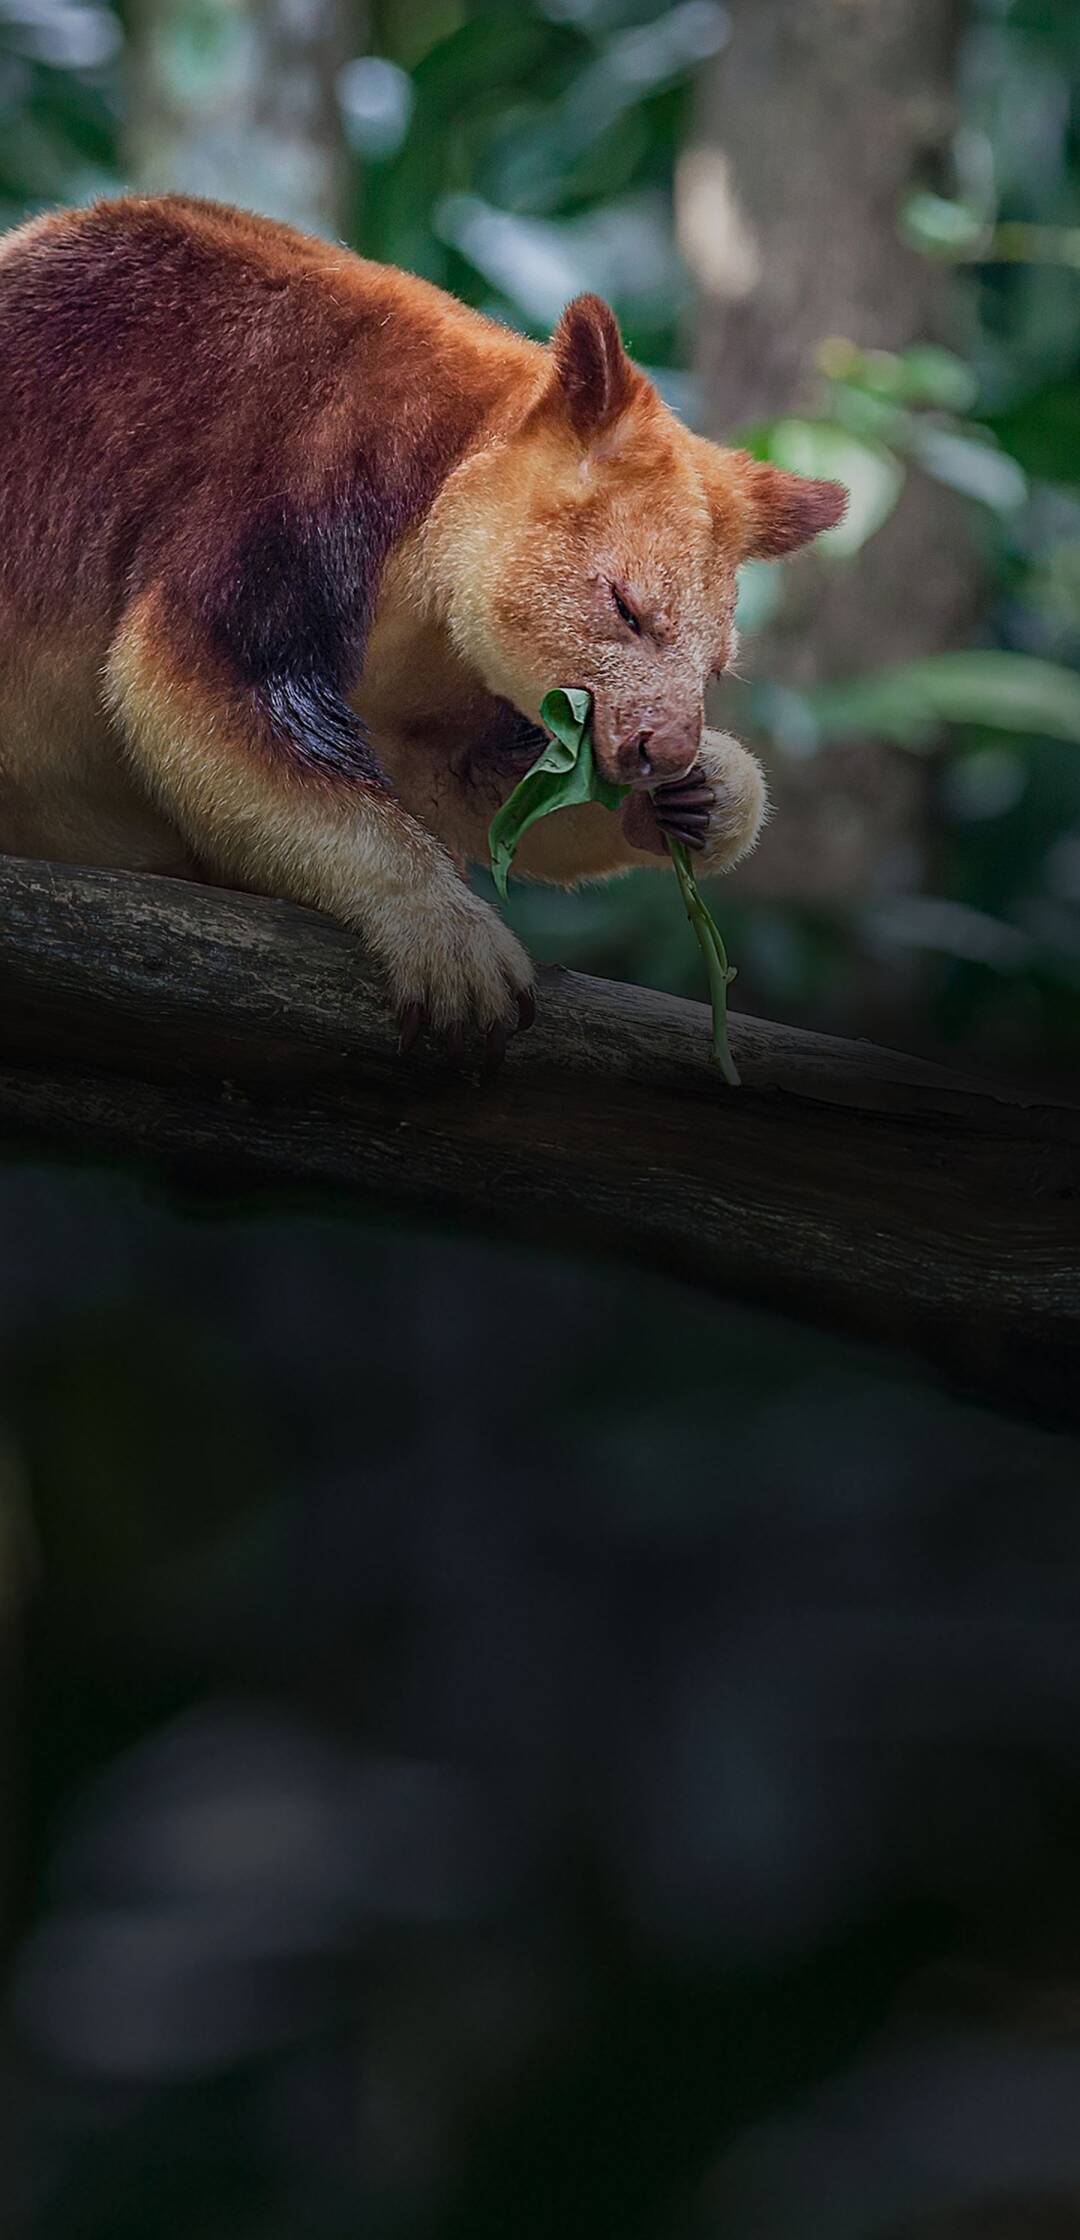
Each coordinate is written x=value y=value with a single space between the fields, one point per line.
x=499 y=1746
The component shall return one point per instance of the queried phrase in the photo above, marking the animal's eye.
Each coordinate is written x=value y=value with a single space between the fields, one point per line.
x=625 y=611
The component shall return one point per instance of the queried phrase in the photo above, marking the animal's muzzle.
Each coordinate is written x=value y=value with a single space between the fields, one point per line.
x=648 y=748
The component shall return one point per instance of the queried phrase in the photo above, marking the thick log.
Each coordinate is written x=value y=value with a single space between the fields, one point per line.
x=242 y=1044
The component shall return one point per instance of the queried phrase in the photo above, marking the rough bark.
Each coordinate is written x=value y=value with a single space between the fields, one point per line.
x=237 y=100
x=813 y=123
x=240 y=1044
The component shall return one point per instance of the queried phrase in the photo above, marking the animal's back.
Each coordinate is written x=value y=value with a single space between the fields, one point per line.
x=147 y=350
x=131 y=343
x=186 y=387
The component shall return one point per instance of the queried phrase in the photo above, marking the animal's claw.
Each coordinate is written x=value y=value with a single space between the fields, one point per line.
x=414 y=1018
x=682 y=809
x=495 y=1043
x=693 y=791
x=410 y=1021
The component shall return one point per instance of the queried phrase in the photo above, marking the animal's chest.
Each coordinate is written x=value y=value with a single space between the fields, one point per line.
x=451 y=750
x=421 y=703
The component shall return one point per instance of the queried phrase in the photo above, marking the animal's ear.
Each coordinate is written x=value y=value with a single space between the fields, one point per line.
x=594 y=378
x=784 y=511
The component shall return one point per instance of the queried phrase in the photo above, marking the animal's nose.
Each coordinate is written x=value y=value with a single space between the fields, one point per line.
x=671 y=749
x=650 y=750
x=644 y=758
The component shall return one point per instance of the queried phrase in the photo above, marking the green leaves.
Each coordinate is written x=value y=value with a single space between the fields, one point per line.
x=1003 y=691
x=564 y=777
x=922 y=375
x=942 y=227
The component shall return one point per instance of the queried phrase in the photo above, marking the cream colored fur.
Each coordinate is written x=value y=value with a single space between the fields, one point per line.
x=65 y=791
x=361 y=860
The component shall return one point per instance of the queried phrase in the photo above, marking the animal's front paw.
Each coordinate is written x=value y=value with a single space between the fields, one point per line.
x=454 y=966
x=684 y=810
x=717 y=809
x=740 y=800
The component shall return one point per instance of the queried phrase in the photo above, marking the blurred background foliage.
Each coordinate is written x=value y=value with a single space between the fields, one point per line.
x=507 y=1747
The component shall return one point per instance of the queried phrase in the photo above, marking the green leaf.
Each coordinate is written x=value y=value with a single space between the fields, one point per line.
x=566 y=711
x=967 y=460
x=941 y=227
x=924 y=374
x=932 y=376
x=1003 y=691
x=563 y=777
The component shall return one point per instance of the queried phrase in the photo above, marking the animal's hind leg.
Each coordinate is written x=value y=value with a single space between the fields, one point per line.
x=66 y=792
x=273 y=787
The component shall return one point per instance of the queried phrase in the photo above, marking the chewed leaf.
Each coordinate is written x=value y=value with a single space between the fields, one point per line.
x=563 y=777
x=565 y=713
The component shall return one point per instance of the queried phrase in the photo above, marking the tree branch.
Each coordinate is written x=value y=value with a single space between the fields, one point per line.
x=241 y=1044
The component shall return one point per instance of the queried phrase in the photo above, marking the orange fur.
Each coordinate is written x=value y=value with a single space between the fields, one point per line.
x=291 y=547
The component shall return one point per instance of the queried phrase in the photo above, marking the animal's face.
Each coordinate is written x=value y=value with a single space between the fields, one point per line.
x=610 y=580
x=599 y=548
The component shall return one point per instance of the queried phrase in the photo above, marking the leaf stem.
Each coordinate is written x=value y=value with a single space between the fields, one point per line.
x=715 y=955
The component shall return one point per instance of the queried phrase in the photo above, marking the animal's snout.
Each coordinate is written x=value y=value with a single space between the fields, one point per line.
x=647 y=748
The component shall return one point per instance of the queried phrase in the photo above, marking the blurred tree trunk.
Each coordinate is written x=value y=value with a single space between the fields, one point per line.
x=813 y=122
x=237 y=99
